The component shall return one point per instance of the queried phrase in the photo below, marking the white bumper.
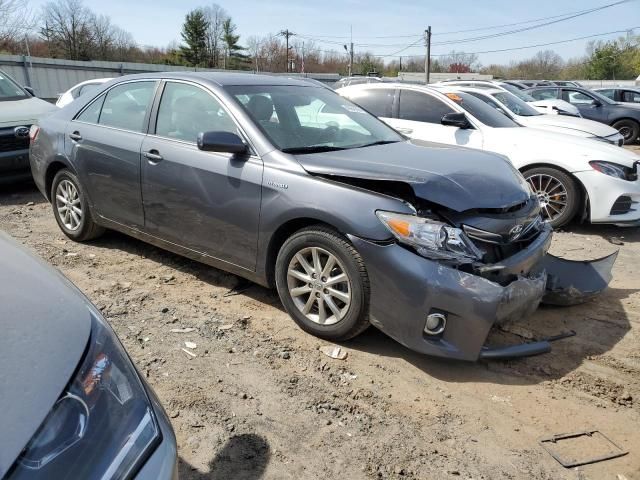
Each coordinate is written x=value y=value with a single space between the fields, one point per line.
x=604 y=194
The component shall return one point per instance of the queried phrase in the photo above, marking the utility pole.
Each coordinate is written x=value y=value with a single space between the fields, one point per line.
x=400 y=69
x=350 y=52
x=427 y=58
x=286 y=34
x=302 y=61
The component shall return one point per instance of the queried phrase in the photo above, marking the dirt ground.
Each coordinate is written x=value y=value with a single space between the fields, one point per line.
x=259 y=400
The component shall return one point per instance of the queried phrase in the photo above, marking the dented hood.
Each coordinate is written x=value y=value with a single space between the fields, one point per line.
x=454 y=177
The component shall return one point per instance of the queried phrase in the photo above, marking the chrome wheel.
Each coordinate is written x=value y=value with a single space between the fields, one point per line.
x=552 y=194
x=68 y=205
x=319 y=285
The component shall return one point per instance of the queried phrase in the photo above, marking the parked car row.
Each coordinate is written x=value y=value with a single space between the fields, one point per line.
x=569 y=173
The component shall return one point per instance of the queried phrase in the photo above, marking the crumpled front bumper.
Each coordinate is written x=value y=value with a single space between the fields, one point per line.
x=405 y=288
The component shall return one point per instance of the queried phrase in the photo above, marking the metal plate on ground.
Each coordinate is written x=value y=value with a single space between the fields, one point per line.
x=581 y=448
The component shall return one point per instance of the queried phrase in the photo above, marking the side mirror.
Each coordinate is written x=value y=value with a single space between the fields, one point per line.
x=30 y=91
x=596 y=103
x=455 y=120
x=225 y=142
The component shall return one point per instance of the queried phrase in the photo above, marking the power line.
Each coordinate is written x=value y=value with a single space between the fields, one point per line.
x=526 y=46
x=318 y=37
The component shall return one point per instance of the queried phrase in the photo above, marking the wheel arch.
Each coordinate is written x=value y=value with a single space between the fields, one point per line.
x=631 y=119
x=281 y=234
x=584 y=196
x=52 y=169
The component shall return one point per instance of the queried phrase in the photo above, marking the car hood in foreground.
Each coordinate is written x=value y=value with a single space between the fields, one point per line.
x=23 y=112
x=572 y=123
x=46 y=325
x=454 y=177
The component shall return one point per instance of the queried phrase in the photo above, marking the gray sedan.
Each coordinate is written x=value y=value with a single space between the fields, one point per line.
x=290 y=185
x=72 y=404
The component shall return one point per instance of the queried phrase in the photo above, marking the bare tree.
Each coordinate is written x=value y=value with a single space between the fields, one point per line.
x=216 y=16
x=15 y=21
x=68 y=29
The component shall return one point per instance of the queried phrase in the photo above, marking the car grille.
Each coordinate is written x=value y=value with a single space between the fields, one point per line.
x=10 y=143
x=497 y=247
x=622 y=205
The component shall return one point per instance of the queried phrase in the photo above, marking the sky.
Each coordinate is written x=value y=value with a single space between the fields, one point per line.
x=159 y=22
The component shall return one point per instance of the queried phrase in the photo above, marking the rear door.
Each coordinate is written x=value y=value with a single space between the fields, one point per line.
x=208 y=202
x=420 y=116
x=104 y=141
x=630 y=96
x=588 y=105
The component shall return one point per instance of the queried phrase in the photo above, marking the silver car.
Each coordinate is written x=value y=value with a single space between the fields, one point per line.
x=290 y=185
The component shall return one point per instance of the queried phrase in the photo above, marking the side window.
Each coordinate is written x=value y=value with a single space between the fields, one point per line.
x=577 y=98
x=630 y=96
x=91 y=114
x=378 y=101
x=544 y=94
x=186 y=110
x=87 y=88
x=126 y=106
x=609 y=93
x=421 y=107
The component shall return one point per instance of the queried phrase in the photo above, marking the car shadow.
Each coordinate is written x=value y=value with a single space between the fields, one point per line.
x=20 y=194
x=243 y=457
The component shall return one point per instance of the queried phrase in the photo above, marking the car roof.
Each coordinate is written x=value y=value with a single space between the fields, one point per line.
x=223 y=78
x=487 y=91
x=634 y=89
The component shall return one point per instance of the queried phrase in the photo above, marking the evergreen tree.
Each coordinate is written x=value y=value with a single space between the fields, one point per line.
x=233 y=50
x=194 y=34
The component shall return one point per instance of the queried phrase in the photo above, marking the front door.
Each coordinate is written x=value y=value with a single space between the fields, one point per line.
x=206 y=201
x=420 y=116
x=589 y=106
x=104 y=142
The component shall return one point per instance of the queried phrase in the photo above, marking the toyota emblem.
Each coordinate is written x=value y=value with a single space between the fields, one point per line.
x=515 y=232
x=21 y=132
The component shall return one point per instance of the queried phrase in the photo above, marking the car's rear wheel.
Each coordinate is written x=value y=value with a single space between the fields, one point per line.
x=628 y=129
x=323 y=284
x=557 y=192
x=70 y=208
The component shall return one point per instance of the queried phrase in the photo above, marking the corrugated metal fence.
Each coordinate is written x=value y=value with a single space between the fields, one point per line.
x=51 y=76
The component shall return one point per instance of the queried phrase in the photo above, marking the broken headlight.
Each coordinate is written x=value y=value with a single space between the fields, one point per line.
x=430 y=238
x=102 y=426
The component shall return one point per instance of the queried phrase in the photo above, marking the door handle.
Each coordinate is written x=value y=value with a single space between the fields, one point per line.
x=75 y=136
x=406 y=131
x=153 y=156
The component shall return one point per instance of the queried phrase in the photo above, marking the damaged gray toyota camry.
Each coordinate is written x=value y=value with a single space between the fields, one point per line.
x=289 y=185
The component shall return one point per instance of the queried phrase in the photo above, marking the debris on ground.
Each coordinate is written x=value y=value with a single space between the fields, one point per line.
x=334 y=351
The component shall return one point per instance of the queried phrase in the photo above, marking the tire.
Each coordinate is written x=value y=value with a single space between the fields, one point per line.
x=629 y=129
x=347 y=320
x=80 y=225
x=554 y=188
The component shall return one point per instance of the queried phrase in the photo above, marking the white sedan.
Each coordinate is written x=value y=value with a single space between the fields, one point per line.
x=551 y=106
x=74 y=92
x=568 y=173
x=525 y=115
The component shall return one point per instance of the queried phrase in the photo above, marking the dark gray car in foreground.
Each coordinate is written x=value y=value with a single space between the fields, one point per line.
x=289 y=185
x=72 y=405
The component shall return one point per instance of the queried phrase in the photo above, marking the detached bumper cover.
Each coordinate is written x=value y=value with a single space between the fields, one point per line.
x=405 y=288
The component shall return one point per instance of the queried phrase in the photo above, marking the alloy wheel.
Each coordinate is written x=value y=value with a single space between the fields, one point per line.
x=68 y=205
x=319 y=285
x=552 y=194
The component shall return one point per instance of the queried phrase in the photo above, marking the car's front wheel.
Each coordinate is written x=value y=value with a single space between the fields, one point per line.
x=557 y=192
x=70 y=208
x=323 y=284
x=628 y=129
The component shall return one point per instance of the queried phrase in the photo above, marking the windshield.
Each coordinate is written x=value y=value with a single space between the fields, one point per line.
x=9 y=90
x=481 y=111
x=310 y=119
x=518 y=93
x=516 y=105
